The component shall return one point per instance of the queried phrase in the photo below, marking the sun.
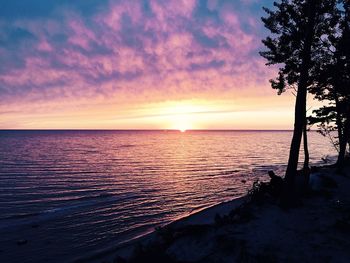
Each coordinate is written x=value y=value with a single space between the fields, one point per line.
x=182 y=125
x=181 y=122
x=182 y=115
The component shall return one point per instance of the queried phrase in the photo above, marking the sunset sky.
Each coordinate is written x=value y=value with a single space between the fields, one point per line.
x=146 y=64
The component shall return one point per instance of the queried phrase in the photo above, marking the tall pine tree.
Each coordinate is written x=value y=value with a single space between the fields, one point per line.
x=296 y=28
x=333 y=82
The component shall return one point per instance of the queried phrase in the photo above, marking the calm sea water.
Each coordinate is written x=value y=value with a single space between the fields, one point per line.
x=72 y=193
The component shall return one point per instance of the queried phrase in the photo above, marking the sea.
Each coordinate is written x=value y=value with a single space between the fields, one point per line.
x=70 y=194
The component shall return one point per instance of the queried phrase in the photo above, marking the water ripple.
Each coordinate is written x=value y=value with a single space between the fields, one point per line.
x=84 y=190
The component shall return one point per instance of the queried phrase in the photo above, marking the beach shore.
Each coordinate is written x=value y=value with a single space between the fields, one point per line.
x=246 y=230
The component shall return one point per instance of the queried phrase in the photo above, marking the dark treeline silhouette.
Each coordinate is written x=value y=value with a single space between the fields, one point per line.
x=333 y=84
x=309 y=42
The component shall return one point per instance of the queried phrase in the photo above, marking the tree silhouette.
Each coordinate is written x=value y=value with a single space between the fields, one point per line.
x=297 y=27
x=333 y=83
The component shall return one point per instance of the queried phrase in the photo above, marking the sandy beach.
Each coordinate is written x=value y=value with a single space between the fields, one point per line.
x=249 y=230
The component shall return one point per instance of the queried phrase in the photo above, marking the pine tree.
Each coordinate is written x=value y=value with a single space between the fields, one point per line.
x=297 y=27
x=333 y=83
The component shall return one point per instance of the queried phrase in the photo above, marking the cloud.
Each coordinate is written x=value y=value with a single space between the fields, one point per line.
x=128 y=50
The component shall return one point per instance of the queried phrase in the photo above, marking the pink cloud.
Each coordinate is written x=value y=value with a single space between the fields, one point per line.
x=127 y=53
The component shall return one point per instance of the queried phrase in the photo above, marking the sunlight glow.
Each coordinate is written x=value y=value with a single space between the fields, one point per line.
x=184 y=115
x=167 y=114
x=182 y=122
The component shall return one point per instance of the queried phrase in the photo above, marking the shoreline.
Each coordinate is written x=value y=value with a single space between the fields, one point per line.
x=201 y=216
x=252 y=231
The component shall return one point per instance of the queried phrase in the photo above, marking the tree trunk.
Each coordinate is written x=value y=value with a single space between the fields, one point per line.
x=306 y=149
x=299 y=123
x=306 y=168
x=341 y=133
x=300 y=107
x=347 y=129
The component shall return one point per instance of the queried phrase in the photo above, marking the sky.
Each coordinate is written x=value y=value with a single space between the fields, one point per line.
x=137 y=64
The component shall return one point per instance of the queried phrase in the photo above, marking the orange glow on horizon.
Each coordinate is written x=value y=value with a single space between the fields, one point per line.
x=236 y=111
x=179 y=115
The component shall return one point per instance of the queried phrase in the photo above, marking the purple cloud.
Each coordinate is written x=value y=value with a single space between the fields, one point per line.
x=129 y=48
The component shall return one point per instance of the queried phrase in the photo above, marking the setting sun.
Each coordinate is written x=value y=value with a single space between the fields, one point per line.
x=181 y=122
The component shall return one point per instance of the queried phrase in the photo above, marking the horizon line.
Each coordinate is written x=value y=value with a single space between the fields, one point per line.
x=68 y=129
